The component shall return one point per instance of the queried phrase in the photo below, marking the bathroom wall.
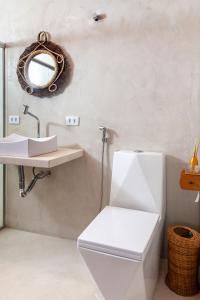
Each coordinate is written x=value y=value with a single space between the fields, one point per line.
x=137 y=72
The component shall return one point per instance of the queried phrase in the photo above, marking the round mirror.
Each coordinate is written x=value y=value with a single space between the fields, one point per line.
x=41 y=69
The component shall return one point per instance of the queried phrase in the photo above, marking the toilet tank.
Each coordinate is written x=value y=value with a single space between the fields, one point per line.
x=138 y=181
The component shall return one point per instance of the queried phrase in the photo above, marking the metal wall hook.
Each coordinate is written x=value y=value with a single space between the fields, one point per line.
x=99 y=16
x=43 y=36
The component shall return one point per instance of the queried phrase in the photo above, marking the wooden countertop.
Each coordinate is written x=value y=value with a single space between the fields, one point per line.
x=48 y=160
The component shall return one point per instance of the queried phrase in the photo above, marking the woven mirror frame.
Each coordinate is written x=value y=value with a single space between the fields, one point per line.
x=62 y=69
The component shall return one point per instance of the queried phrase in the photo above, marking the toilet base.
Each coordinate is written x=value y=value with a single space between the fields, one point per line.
x=120 y=278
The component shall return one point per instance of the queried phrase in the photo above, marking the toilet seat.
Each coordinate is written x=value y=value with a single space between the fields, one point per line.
x=121 y=232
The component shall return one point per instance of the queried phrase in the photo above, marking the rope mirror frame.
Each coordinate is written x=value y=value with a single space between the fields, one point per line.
x=63 y=70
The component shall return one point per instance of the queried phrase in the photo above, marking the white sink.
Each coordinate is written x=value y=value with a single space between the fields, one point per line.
x=18 y=145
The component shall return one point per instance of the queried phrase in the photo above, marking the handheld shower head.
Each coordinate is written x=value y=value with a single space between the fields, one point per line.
x=26 y=108
x=104 y=131
x=102 y=128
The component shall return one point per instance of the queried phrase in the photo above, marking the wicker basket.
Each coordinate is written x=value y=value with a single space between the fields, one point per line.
x=183 y=260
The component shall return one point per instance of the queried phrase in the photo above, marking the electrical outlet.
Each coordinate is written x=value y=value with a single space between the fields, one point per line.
x=72 y=121
x=14 y=119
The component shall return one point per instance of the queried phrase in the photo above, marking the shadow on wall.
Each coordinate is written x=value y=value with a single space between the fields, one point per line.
x=181 y=208
x=53 y=124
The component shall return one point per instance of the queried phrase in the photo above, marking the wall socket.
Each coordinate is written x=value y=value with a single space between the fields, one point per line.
x=72 y=121
x=14 y=119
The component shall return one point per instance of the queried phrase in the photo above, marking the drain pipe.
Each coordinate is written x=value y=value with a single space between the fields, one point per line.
x=40 y=175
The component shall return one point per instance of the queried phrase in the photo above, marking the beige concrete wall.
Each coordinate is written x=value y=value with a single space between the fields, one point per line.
x=138 y=73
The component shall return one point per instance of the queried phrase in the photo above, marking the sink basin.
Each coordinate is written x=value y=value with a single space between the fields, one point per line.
x=18 y=145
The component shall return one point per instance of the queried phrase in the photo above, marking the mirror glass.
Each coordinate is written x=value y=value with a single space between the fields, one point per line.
x=41 y=69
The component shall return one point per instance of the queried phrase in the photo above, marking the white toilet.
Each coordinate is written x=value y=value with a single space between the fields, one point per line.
x=121 y=246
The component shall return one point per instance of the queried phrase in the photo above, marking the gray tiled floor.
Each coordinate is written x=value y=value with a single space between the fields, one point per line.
x=37 y=267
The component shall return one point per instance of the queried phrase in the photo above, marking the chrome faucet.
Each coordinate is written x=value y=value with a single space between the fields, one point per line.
x=26 y=112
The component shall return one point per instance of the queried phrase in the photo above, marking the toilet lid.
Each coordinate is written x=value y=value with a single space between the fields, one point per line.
x=121 y=232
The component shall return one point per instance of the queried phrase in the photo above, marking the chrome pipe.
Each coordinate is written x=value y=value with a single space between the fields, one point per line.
x=26 y=112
